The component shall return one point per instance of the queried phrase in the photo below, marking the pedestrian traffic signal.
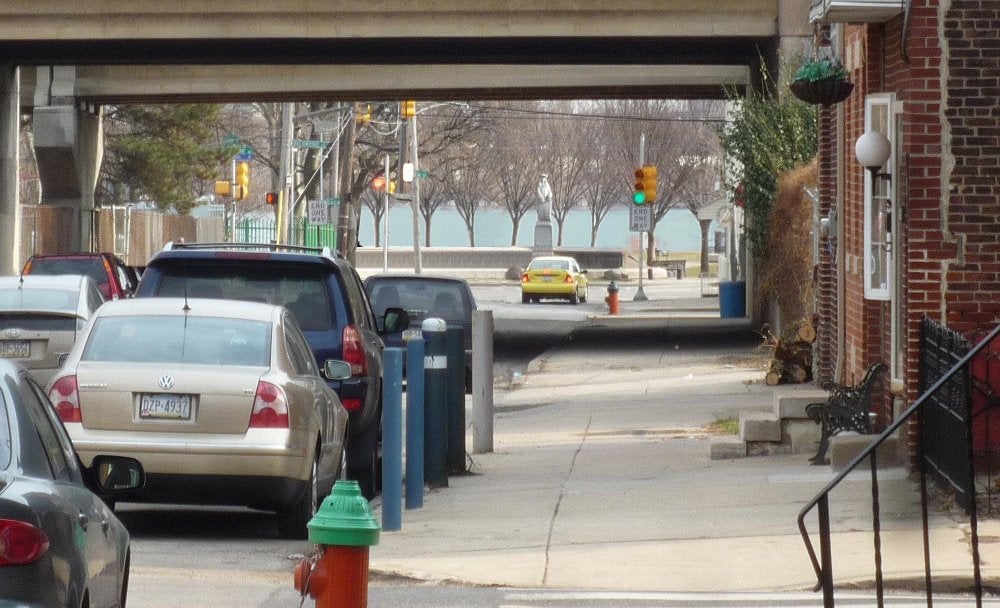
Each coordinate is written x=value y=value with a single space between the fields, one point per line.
x=364 y=115
x=409 y=109
x=645 y=185
x=242 y=181
x=271 y=198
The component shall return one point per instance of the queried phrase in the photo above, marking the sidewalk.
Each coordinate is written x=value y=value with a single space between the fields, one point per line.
x=600 y=478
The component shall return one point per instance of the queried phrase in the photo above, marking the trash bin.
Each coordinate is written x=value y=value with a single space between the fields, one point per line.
x=732 y=299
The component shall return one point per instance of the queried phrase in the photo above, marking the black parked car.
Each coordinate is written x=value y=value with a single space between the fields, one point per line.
x=60 y=544
x=323 y=290
x=426 y=296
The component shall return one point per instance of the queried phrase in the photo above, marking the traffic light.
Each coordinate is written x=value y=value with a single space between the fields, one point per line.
x=271 y=198
x=408 y=109
x=645 y=185
x=378 y=183
x=242 y=181
x=222 y=188
x=364 y=115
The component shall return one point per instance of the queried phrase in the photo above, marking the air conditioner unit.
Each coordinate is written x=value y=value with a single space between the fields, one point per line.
x=855 y=11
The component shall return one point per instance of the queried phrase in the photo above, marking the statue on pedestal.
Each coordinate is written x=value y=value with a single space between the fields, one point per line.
x=543 y=227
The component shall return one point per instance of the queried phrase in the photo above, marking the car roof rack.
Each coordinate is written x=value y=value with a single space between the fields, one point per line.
x=273 y=247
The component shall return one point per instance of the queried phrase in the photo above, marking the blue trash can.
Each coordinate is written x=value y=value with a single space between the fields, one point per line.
x=732 y=299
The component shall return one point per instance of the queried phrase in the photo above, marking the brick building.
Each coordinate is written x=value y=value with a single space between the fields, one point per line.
x=920 y=236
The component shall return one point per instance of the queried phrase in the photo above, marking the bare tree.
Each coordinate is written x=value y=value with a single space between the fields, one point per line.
x=513 y=157
x=564 y=145
x=679 y=143
x=432 y=197
x=469 y=182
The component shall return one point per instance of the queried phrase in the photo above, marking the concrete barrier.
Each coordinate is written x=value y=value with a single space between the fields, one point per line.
x=496 y=258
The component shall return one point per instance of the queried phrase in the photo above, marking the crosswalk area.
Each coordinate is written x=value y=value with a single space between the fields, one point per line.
x=536 y=598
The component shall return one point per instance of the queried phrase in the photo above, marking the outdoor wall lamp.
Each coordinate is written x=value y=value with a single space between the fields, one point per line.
x=873 y=150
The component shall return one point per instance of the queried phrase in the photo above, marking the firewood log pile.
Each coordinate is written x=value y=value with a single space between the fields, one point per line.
x=791 y=358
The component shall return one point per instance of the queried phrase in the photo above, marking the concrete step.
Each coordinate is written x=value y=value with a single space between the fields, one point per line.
x=726 y=447
x=790 y=400
x=759 y=426
x=845 y=447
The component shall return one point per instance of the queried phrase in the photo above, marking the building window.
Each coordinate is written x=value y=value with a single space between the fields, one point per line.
x=878 y=203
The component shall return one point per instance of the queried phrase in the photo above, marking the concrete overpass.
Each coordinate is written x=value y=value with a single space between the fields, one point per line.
x=61 y=60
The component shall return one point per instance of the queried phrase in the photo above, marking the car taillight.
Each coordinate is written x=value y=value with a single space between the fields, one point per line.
x=568 y=279
x=66 y=399
x=21 y=543
x=270 y=407
x=351 y=404
x=354 y=352
x=525 y=278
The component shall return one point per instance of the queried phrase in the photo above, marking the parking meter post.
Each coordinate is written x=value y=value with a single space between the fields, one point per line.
x=435 y=403
x=344 y=528
x=455 y=348
x=482 y=381
x=414 y=424
x=392 y=439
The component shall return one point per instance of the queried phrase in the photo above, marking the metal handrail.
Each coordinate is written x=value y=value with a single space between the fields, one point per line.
x=823 y=565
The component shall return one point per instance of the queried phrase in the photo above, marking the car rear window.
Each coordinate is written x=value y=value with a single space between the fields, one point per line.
x=91 y=267
x=421 y=299
x=179 y=339
x=38 y=299
x=36 y=322
x=301 y=290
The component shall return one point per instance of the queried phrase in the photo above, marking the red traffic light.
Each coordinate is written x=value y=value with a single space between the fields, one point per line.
x=271 y=198
x=378 y=183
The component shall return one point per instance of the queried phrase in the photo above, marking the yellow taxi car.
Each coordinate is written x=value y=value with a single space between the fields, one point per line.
x=554 y=277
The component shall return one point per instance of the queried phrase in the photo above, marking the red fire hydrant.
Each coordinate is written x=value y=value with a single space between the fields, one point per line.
x=344 y=528
x=612 y=299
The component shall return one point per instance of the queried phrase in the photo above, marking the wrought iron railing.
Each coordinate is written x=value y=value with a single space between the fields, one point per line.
x=953 y=383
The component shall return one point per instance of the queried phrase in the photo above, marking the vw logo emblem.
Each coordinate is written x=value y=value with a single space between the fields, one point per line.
x=166 y=382
x=13 y=332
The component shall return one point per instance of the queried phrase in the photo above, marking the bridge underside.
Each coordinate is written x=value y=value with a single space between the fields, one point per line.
x=119 y=71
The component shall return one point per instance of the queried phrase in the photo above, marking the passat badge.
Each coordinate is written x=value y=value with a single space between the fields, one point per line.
x=13 y=332
x=166 y=382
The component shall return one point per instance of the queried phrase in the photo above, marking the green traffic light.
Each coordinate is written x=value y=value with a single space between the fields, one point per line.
x=639 y=198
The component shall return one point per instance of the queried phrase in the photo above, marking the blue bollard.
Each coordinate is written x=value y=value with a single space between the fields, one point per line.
x=392 y=439
x=435 y=404
x=414 y=424
x=455 y=347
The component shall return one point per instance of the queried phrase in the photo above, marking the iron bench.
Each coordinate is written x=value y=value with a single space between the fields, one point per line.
x=845 y=410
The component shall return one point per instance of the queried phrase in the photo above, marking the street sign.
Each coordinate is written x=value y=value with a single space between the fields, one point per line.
x=421 y=173
x=309 y=143
x=245 y=155
x=319 y=212
x=640 y=218
x=335 y=200
x=230 y=140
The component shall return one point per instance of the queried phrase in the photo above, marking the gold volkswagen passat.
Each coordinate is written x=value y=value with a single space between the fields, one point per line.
x=220 y=401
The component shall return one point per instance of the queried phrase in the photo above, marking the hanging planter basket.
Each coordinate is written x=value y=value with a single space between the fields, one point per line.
x=827 y=91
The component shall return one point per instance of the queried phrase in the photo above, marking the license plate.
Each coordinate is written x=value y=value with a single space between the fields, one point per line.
x=414 y=333
x=165 y=406
x=547 y=279
x=15 y=349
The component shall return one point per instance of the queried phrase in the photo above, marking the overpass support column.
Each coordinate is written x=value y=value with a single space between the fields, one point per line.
x=69 y=146
x=10 y=217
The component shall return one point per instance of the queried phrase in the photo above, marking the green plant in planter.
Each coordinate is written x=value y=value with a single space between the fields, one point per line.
x=814 y=70
x=822 y=81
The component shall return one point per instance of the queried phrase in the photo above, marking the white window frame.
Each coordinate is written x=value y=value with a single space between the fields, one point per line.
x=878 y=220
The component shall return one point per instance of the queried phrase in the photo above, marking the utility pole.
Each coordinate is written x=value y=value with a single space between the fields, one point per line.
x=285 y=174
x=415 y=204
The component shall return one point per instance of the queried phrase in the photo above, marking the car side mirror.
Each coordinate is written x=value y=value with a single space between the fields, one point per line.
x=117 y=473
x=335 y=369
x=395 y=320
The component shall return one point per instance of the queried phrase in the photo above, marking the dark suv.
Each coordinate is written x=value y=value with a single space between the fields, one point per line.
x=323 y=291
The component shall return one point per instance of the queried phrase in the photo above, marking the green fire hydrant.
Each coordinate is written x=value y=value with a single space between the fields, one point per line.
x=345 y=528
